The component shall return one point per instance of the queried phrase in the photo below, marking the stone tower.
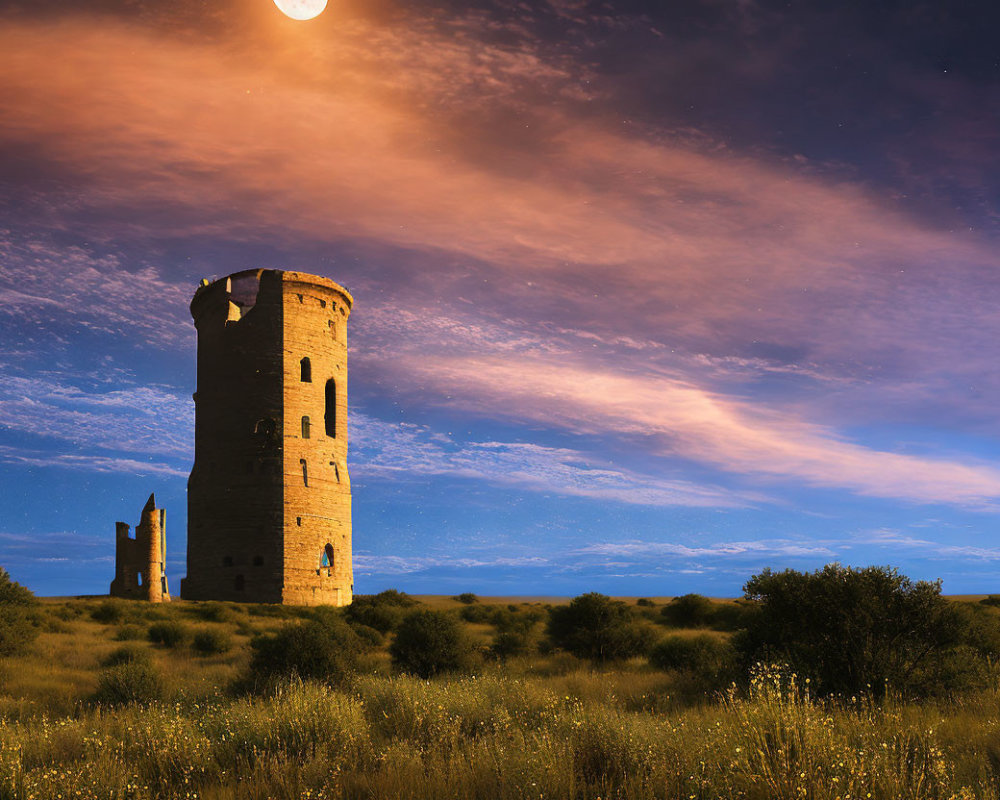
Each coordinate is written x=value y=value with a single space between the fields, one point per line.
x=139 y=569
x=269 y=497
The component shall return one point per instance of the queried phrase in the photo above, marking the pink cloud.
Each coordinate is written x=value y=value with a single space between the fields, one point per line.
x=408 y=136
x=674 y=417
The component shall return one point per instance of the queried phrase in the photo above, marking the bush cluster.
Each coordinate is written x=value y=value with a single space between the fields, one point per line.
x=212 y=642
x=688 y=611
x=865 y=630
x=18 y=627
x=595 y=627
x=428 y=643
x=327 y=650
x=383 y=612
x=169 y=633
x=129 y=682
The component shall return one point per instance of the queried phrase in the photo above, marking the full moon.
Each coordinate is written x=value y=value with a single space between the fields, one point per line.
x=301 y=9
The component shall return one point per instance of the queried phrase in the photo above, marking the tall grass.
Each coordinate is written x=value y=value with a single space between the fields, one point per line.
x=498 y=737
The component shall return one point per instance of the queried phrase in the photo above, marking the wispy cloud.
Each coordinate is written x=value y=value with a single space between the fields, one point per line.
x=928 y=548
x=152 y=420
x=637 y=549
x=368 y=564
x=412 y=452
x=55 y=288
x=89 y=463
x=675 y=417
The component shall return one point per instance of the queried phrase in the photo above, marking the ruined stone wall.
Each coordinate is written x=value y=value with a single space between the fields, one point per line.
x=256 y=532
x=139 y=562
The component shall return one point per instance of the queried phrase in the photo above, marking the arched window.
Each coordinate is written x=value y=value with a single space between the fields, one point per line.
x=305 y=427
x=330 y=418
x=326 y=560
x=240 y=583
x=305 y=472
x=306 y=366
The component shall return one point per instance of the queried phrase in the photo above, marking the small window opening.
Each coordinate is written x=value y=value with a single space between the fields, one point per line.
x=305 y=472
x=258 y=561
x=326 y=559
x=240 y=583
x=298 y=521
x=322 y=303
x=306 y=368
x=300 y=298
x=336 y=471
x=138 y=578
x=305 y=427
x=227 y=561
x=330 y=417
x=265 y=428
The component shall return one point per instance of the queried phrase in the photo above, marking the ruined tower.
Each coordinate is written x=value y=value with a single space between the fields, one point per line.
x=269 y=497
x=139 y=571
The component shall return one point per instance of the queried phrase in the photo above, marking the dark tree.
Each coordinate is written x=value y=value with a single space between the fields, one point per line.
x=596 y=627
x=854 y=630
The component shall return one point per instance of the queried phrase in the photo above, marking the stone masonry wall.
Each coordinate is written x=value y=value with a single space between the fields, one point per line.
x=256 y=531
x=317 y=532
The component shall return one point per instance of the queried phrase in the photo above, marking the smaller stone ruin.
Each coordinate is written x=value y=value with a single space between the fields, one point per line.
x=139 y=570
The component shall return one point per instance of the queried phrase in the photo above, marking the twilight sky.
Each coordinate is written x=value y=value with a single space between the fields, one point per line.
x=649 y=295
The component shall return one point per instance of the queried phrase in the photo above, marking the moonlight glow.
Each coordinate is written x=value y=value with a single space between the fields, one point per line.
x=301 y=9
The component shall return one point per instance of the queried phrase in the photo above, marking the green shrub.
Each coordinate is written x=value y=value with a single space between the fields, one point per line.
x=17 y=616
x=478 y=614
x=127 y=654
x=130 y=633
x=509 y=644
x=703 y=653
x=731 y=616
x=396 y=598
x=109 y=612
x=514 y=619
x=857 y=630
x=215 y=612
x=430 y=642
x=688 y=611
x=326 y=651
x=991 y=600
x=645 y=601
x=169 y=633
x=466 y=597
x=383 y=611
x=127 y=683
x=370 y=638
x=212 y=642
x=596 y=627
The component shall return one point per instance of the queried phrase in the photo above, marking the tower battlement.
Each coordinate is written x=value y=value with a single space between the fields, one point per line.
x=269 y=498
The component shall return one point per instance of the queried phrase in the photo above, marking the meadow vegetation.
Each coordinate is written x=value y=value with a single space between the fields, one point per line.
x=469 y=697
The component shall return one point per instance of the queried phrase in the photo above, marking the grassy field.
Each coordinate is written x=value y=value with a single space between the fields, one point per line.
x=544 y=726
